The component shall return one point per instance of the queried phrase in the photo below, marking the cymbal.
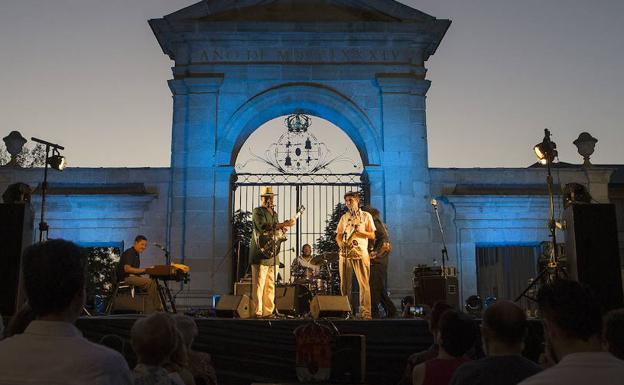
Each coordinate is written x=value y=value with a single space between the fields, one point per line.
x=325 y=257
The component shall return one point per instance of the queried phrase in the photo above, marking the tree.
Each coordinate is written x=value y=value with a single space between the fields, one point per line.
x=327 y=243
x=101 y=271
x=28 y=158
x=242 y=231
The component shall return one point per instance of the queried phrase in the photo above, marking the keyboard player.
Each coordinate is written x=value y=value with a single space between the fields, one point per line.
x=129 y=270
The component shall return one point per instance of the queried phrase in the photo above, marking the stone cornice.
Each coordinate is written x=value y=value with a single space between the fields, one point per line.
x=402 y=84
x=206 y=84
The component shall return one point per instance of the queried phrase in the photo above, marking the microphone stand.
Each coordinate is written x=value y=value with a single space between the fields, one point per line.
x=434 y=203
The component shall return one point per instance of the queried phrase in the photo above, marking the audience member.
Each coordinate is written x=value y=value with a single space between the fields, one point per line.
x=177 y=365
x=503 y=330
x=20 y=321
x=52 y=349
x=455 y=336
x=433 y=319
x=200 y=363
x=154 y=340
x=572 y=323
x=613 y=337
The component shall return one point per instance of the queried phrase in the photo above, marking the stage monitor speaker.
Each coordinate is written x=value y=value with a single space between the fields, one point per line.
x=431 y=289
x=348 y=364
x=16 y=226
x=242 y=288
x=292 y=299
x=330 y=306
x=233 y=306
x=592 y=250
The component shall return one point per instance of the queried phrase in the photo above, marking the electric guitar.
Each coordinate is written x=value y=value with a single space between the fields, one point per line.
x=271 y=241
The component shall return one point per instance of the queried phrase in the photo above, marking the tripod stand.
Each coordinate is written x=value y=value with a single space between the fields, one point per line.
x=546 y=153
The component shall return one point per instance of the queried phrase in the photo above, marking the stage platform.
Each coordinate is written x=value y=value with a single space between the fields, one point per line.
x=246 y=351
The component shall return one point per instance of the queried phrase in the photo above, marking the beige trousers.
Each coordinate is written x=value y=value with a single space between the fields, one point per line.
x=262 y=290
x=361 y=267
x=149 y=285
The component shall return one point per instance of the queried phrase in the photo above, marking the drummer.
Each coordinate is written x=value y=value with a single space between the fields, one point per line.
x=303 y=266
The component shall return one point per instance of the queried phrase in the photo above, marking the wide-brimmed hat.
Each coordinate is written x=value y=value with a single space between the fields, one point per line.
x=267 y=191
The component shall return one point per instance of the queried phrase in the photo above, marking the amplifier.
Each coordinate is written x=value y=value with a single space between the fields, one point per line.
x=431 y=289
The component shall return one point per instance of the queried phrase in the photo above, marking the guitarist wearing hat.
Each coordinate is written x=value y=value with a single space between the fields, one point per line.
x=264 y=253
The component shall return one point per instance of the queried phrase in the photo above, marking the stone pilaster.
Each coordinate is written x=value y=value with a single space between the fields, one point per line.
x=406 y=174
x=194 y=181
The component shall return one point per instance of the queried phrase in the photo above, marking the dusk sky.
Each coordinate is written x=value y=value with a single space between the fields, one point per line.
x=89 y=74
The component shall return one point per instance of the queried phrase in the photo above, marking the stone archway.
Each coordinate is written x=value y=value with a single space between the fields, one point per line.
x=311 y=99
x=358 y=64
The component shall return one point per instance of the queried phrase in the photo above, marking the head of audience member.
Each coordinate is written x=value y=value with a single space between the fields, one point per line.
x=456 y=333
x=114 y=342
x=179 y=356
x=140 y=243
x=54 y=280
x=154 y=339
x=434 y=316
x=503 y=329
x=571 y=316
x=306 y=250
x=20 y=321
x=187 y=328
x=613 y=335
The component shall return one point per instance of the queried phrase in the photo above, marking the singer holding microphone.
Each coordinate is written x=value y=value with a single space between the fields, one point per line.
x=129 y=271
x=353 y=232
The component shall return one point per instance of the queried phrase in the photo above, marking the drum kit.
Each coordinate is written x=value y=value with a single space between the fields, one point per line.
x=324 y=280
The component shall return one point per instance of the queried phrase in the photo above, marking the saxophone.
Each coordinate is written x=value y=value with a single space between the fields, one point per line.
x=350 y=244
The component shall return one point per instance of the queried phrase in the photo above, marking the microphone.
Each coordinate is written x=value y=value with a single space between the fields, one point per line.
x=434 y=202
x=159 y=246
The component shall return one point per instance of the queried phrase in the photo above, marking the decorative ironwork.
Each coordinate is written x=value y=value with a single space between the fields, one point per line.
x=298 y=151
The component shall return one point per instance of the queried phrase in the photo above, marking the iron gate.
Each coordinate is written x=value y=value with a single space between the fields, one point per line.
x=319 y=193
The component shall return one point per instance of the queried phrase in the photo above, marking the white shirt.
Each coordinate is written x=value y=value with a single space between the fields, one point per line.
x=590 y=368
x=56 y=353
x=361 y=221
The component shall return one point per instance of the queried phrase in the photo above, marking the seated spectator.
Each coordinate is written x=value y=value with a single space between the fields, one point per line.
x=503 y=331
x=613 y=337
x=200 y=363
x=177 y=364
x=456 y=335
x=154 y=339
x=20 y=321
x=52 y=350
x=433 y=319
x=572 y=324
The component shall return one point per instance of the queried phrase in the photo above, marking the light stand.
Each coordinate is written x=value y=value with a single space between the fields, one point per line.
x=434 y=203
x=57 y=162
x=546 y=153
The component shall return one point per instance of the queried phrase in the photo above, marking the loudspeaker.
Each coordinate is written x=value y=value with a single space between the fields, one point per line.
x=348 y=364
x=592 y=250
x=292 y=299
x=242 y=288
x=233 y=306
x=16 y=226
x=431 y=289
x=124 y=303
x=330 y=306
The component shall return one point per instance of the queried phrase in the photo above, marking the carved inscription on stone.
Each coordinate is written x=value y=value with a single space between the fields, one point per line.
x=300 y=55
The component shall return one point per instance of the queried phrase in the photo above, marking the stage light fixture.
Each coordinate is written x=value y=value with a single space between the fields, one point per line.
x=57 y=161
x=545 y=151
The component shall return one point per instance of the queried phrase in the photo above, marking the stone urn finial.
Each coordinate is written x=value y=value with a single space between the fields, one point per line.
x=14 y=143
x=585 y=144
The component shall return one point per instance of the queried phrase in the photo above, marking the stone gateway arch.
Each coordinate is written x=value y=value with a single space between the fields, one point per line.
x=238 y=64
